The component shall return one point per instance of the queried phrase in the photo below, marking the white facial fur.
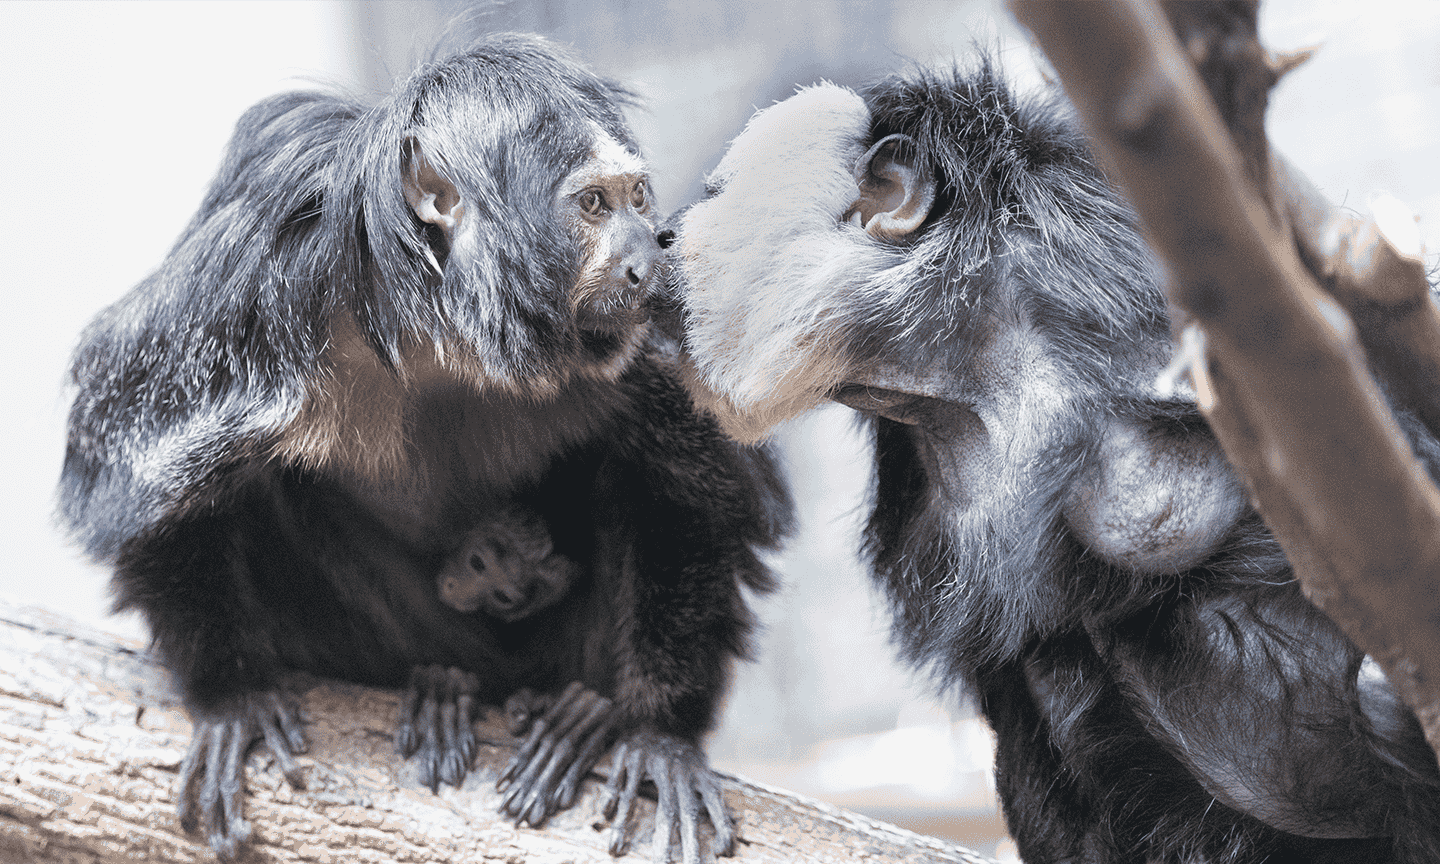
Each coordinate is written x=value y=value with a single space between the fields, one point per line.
x=768 y=261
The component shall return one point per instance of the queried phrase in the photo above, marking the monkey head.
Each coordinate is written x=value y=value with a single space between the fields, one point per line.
x=506 y=567
x=945 y=257
x=511 y=216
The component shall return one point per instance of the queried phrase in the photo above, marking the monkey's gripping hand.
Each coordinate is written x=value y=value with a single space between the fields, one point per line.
x=566 y=740
x=683 y=779
x=212 y=781
x=437 y=719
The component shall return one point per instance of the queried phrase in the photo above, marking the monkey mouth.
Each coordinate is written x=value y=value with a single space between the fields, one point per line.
x=616 y=320
x=509 y=616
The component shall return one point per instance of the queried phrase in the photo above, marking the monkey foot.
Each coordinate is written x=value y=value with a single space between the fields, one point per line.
x=683 y=779
x=565 y=741
x=213 y=772
x=436 y=721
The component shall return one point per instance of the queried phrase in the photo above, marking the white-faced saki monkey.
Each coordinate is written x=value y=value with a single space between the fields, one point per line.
x=384 y=323
x=1058 y=534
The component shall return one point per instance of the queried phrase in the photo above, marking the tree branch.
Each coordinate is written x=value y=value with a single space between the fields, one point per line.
x=91 y=738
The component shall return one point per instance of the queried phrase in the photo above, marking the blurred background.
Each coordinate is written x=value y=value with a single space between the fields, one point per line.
x=117 y=113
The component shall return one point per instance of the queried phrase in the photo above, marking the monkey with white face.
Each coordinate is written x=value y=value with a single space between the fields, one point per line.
x=1057 y=530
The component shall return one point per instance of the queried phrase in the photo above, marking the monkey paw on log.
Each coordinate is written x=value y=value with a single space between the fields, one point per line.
x=1056 y=527
x=384 y=323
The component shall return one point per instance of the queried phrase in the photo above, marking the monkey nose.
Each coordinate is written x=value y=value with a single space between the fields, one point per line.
x=636 y=274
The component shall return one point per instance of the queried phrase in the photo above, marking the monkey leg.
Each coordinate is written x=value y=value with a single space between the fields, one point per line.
x=683 y=779
x=212 y=781
x=436 y=721
x=565 y=741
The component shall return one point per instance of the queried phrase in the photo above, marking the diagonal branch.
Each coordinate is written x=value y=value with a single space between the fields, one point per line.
x=1292 y=400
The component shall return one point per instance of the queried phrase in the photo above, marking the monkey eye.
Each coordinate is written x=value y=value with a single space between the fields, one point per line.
x=873 y=400
x=637 y=195
x=912 y=409
x=592 y=201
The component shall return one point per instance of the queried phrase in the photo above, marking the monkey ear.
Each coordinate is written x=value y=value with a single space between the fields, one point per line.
x=433 y=197
x=896 y=191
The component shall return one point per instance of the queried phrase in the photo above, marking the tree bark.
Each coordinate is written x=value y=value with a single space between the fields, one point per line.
x=92 y=734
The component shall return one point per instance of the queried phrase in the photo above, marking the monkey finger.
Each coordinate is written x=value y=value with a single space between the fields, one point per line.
x=232 y=783
x=429 y=753
x=620 y=831
x=464 y=732
x=208 y=796
x=520 y=774
x=191 y=773
x=518 y=794
x=689 y=805
x=540 y=803
x=407 y=739
x=452 y=767
x=465 y=740
x=286 y=714
x=570 y=784
x=662 y=772
x=617 y=778
x=279 y=745
x=427 y=762
x=724 y=843
x=526 y=754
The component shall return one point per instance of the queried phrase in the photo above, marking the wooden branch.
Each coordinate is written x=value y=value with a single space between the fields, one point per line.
x=91 y=737
x=1289 y=394
x=1383 y=289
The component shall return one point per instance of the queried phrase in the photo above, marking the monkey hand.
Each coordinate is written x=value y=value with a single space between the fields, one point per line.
x=437 y=720
x=565 y=741
x=212 y=774
x=683 y=779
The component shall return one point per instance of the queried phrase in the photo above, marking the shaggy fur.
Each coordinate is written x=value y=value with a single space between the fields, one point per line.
x=1058 y=535
x=280 y=435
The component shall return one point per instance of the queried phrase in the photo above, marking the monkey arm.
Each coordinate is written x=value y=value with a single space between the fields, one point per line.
x=183 y=382
x=1275 y=712
x=128 y=476
x=679 y=513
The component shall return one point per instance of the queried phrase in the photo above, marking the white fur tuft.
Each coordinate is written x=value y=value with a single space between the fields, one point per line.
x=769 y=265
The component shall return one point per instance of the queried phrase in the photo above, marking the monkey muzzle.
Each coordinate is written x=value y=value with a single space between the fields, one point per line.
x=621 y=301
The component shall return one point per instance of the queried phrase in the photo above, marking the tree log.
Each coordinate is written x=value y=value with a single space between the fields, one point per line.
x=92 y=734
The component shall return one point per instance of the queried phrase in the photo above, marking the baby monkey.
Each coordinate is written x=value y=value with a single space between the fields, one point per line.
x=506 y=567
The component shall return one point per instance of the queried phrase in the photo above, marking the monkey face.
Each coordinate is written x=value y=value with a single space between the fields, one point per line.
x=507 y=569
x=561 y=265
x=816 y=269
x=607 y=204
x=799 y=228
